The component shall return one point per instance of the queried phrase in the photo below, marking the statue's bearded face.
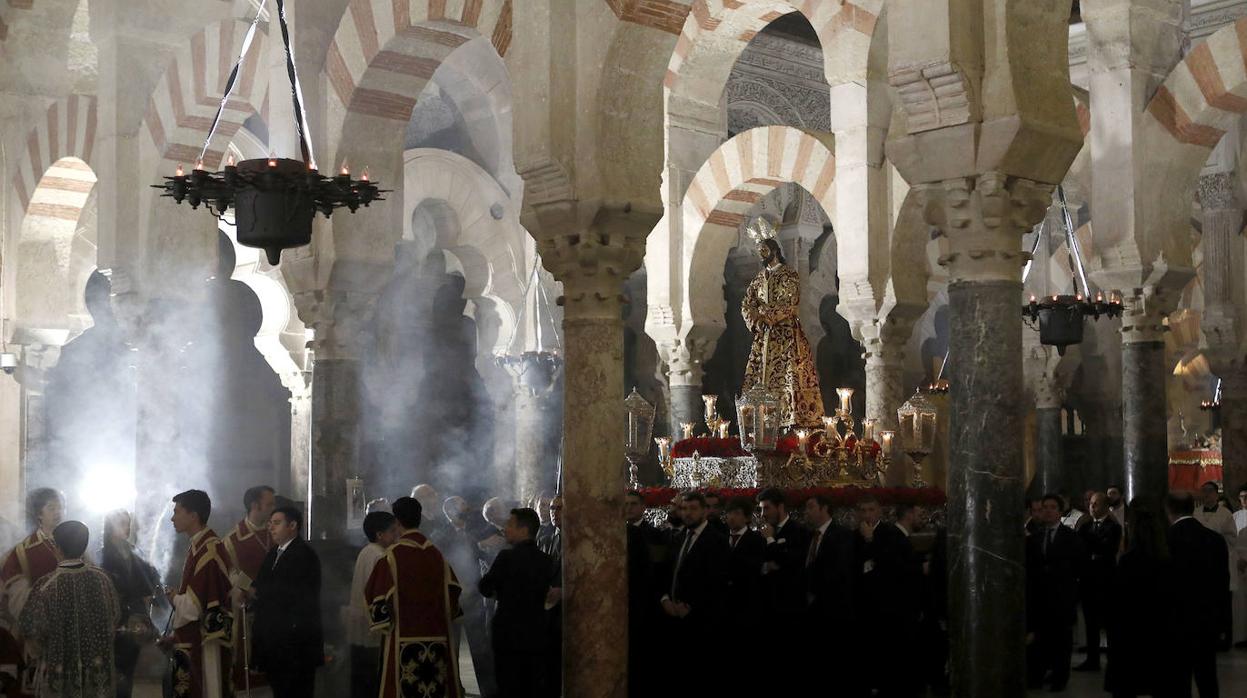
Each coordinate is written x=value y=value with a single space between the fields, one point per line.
x=766 y=253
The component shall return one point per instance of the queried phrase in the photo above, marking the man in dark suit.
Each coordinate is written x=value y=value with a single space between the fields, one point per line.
x=643 y=538
x=714 y=503
x=831 y=594
x=1201 y=561
x=895 y=599
x=747 y=555
x=520 y=579
x=1054 y=558
x=783 y=582
x=552 y=545
x=694 y=596
x=1101 y=536
x=287 y=632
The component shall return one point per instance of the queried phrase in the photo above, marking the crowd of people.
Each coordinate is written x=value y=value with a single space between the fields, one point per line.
x=820 y=593
x=1162 y=588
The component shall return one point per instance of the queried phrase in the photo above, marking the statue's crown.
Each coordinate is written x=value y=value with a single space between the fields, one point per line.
x=761 y=229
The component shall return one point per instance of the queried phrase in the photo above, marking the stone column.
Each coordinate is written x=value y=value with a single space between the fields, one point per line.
x=338 y=320
x=535 y=427
x=1234 y=432
x=1222 y=320
x=1145 y=447
x=1049 y=438
x=300 y=444
x=984 y=218
x=684 y=360
x=592 y=250
x=885 y=393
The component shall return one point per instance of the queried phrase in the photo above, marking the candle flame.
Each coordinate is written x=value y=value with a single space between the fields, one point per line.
x=364 y=177
x=180 y=171
x=199 y=165
x=345 y=170
x=272 y=162
x=230 y=161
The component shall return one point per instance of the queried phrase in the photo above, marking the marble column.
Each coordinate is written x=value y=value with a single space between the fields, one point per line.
x=300 y=444
x=1049 y=438
x=536 y=402
x=592 y=250
x=338 y=320
x=1234 y=433
x=984 y=218
x=684 y=360
x=1145 y=447
x=885 y=393
x=1221 y=323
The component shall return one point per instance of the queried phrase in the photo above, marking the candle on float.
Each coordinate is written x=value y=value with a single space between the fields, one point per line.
x=364 y=175
x=724 y=425
x=829 y=428
x=885 y=442
x=1032 y=299
x=345 y=171
x=229 y=162
x=846 y=399
x=803 y=438
x=710 y=401
x=272 y=162
x=199 y=164
x=181 y=172
x=868 y=429
x=1099 y=296
x=687 y=427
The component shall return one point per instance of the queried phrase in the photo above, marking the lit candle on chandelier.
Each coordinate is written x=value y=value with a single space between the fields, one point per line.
x=688 y=429
x=868 y=429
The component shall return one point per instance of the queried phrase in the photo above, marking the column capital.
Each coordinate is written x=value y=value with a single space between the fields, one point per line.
x=983 y=218
x=591 y=247
x=338 y=319
x=1219 y=192
x=1145 y=310
x=684 y=359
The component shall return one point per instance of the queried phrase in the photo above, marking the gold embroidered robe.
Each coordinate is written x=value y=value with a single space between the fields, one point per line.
x=780 y=357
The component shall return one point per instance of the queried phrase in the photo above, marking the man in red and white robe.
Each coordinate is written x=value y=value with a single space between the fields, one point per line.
x=202 y=622
x=413 y=598
x=246 y=545
x=29 y=562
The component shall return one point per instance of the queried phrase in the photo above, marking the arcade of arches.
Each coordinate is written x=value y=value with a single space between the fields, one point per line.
x=576 y=179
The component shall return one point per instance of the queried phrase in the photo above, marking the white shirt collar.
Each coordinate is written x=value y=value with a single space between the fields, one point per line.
x=774 y=265
x=741 y=531
x=1180 y=518
x=822 y=530
x=903 y=529
x=782 y=523
x=285 y=545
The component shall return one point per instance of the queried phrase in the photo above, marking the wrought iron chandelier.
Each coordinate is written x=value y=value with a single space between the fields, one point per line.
x=1060 y=316
x=274 y=199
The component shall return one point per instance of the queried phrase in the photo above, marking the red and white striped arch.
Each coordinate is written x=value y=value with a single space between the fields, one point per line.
x=734 y=179
x=65 y=137
x=385 y=51
x=181 y=109
x=381 y=58
x=698 y=67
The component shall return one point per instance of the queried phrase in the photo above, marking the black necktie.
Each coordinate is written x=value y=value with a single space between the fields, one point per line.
x=1048 y=537
x=675 y=574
